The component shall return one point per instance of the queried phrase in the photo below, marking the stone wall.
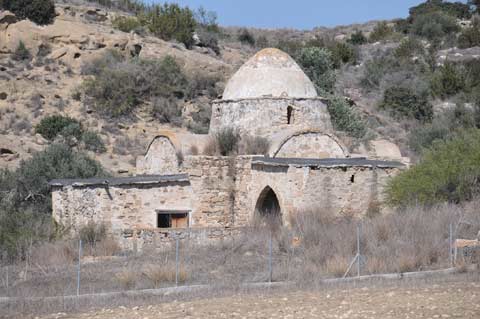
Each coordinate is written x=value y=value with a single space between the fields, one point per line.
x=214 y=182
x=119 y=207
x=267 y=116
x=221 y=193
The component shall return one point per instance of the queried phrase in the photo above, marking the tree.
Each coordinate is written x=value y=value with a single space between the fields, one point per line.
x=170 y=21
x=39 y=11
x=318 y=65
x=25 y=195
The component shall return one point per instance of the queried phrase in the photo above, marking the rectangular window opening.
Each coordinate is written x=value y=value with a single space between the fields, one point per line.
x=172 y=220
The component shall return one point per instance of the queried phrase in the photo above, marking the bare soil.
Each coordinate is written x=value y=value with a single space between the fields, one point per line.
x=453 y=297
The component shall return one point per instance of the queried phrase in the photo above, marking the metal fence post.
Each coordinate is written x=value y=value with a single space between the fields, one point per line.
x=450 y=244
x=270 y=253
x=359 y=255
x=176 y=260
x=79 y=265
x=7 y=283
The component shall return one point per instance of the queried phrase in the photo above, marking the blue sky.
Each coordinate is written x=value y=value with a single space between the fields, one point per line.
x=301 y=14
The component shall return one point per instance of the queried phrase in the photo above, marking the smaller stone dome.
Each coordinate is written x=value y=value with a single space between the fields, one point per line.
x=269 y=73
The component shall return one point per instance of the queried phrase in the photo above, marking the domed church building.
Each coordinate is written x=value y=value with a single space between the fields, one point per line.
x=207 y=198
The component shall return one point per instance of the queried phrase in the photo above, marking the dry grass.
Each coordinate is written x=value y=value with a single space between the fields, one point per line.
x=316 y=246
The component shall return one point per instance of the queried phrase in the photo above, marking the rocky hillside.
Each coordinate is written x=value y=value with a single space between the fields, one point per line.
x=49 y=81
x=29 y=91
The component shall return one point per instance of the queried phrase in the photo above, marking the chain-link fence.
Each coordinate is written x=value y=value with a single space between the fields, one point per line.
x=306 y=252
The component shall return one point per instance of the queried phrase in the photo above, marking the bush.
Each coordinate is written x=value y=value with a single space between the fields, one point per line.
x=357 y=38
x=167 y=110
x=51 y=126
x=209 y=39
x=21 y=53
x=470 y=37
x=25 y=196
x=207 y=20
x=342 y=53
x=345 y=119
x=170 y=21
x=408 y=48
x=245 y=37
x=443 y=127
x=382 y=31
x=201 y=120
x=225 y=142
x=254 y=145
x=447 y=80
x=120 y=86
x=448 y=171
x=404 y=102
x=126 y=24
x=39 y=11
x=93 y=142
x=456 y=9
x=317 y=64
x=262 y=42
x=92 y=233
x=434 y=25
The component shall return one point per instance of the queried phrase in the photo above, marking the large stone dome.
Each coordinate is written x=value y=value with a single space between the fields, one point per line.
x=269 y=73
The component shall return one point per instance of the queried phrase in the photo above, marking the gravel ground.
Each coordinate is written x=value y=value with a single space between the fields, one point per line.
x=453 y=297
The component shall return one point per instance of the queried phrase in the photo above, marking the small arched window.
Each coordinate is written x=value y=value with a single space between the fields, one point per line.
x=289 y=115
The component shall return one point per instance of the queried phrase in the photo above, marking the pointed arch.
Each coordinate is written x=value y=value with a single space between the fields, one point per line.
x=267 y=206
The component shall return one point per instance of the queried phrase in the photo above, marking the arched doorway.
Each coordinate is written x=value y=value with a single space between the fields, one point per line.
x=267 y=209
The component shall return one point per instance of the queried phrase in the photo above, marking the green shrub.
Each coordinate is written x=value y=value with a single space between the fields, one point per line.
x=51 y=126
x=317 y=64
x=25 y=195
x=408 y=48
x=21 y=53
x=345 y=119
x=126 y=24
x=447 y=80
x=448 y=171
x=120 y=86
x=292 y=47
x=170 y=21
x=470 y=37
x=93 y=142
x=434 y=25
x=207 y=20
x=227 y=140
x=404 y=102
x=245 y=37
x=382 y=31
x=342 y=53
x=358 y=38
x=454 y=9
x=39 y=11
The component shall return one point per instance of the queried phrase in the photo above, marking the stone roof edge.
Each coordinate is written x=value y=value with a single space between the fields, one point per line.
x=318 y=98
x=326 y=163
x=118 y=181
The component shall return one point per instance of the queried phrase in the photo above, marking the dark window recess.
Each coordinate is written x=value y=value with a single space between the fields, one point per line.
x=352 y=179
x=289 y=115
x=172 y=220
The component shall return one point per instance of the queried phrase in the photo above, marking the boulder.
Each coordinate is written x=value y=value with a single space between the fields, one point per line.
x=6 y=18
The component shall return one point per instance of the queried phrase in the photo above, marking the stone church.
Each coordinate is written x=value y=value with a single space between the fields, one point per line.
x=212 y=197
